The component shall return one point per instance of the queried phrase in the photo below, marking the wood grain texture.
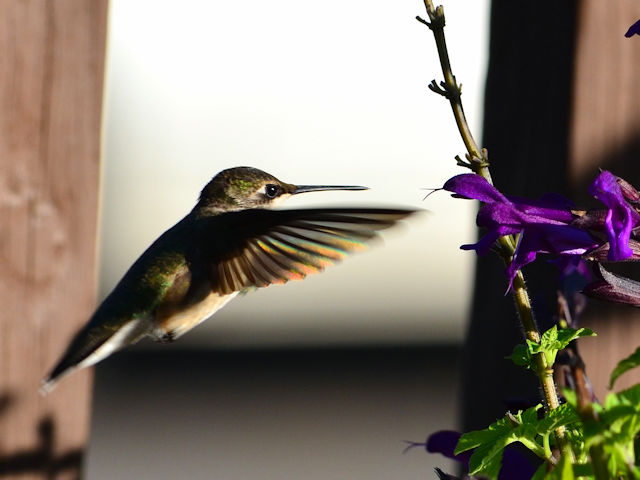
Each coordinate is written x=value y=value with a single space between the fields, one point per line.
x=605 y=133
x=51 y=85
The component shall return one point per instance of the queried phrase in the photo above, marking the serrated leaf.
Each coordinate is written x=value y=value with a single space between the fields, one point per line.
x=624 y=366
x=474 y=439
x=567 y=335
x=549 y=337
x=530 y=415
x=533 y=347
x=487 y=459
x=490 y=443
x=554 y=340
x=561 y=416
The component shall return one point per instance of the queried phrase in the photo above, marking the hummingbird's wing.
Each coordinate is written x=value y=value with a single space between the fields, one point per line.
x=255 y=248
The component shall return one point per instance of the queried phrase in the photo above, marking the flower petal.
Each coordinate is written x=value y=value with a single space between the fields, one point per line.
x=621 y=218
x=474 y=186
x=553 y=239
x=549 y=207
x=633 y=30
x=444 y=442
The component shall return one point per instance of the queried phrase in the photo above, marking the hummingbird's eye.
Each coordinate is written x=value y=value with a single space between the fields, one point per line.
x=271 y=190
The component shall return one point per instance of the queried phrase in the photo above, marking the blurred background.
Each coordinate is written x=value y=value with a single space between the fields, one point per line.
x=324 y=378
x=317 y=379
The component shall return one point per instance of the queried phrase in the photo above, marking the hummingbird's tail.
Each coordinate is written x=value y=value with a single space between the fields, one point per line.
x=92 y=344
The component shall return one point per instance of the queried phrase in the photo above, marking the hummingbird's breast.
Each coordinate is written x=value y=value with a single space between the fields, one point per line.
x=172 y=323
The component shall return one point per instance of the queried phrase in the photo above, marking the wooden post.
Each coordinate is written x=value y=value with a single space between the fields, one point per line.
x=51 y=83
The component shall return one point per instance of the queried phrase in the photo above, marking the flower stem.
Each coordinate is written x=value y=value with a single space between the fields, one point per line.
x=452 y=91
x=478 y=163
x=543 y=369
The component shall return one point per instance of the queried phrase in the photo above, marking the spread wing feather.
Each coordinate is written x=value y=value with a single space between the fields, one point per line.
x=256 y=248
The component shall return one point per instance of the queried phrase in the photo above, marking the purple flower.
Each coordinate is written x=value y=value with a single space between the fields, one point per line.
x=621 y=217
x=543 y=224
x=633 y=30
x=444 y=442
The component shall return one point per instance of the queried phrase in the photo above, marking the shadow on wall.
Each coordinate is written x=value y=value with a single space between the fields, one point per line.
x=41 y=458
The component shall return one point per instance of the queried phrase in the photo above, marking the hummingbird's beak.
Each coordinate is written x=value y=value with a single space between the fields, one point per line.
x=321 y=188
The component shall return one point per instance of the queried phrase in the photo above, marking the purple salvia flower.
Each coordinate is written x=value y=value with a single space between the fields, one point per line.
x=444 y=442
x=553 y=239
x=633 y=30
x=543 y=224
x=470 y=185
x=621 y=218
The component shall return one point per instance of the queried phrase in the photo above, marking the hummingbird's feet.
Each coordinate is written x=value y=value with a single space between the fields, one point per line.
x=167 y=337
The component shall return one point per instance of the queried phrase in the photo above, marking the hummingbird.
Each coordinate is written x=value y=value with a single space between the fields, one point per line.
x=230 y=243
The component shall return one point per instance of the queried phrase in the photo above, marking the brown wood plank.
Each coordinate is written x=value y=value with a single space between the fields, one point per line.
x=51 y=82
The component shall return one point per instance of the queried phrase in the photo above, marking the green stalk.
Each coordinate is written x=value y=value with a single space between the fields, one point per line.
x=478 y=163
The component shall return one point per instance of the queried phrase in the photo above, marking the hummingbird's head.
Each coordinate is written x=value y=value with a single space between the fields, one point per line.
x=241 y=188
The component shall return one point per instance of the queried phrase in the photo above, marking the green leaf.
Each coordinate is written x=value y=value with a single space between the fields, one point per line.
x=571 y=397
x=616 y=414
x=583 y=470
x=521 y=356
x=475 y=439
x=550 y=336
x=550 y=343
x=631 y=395
x=624 y=366
x=487 y=458
x=490 y=443
x=610 y=436
x=554 y=340
x=561 y=416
